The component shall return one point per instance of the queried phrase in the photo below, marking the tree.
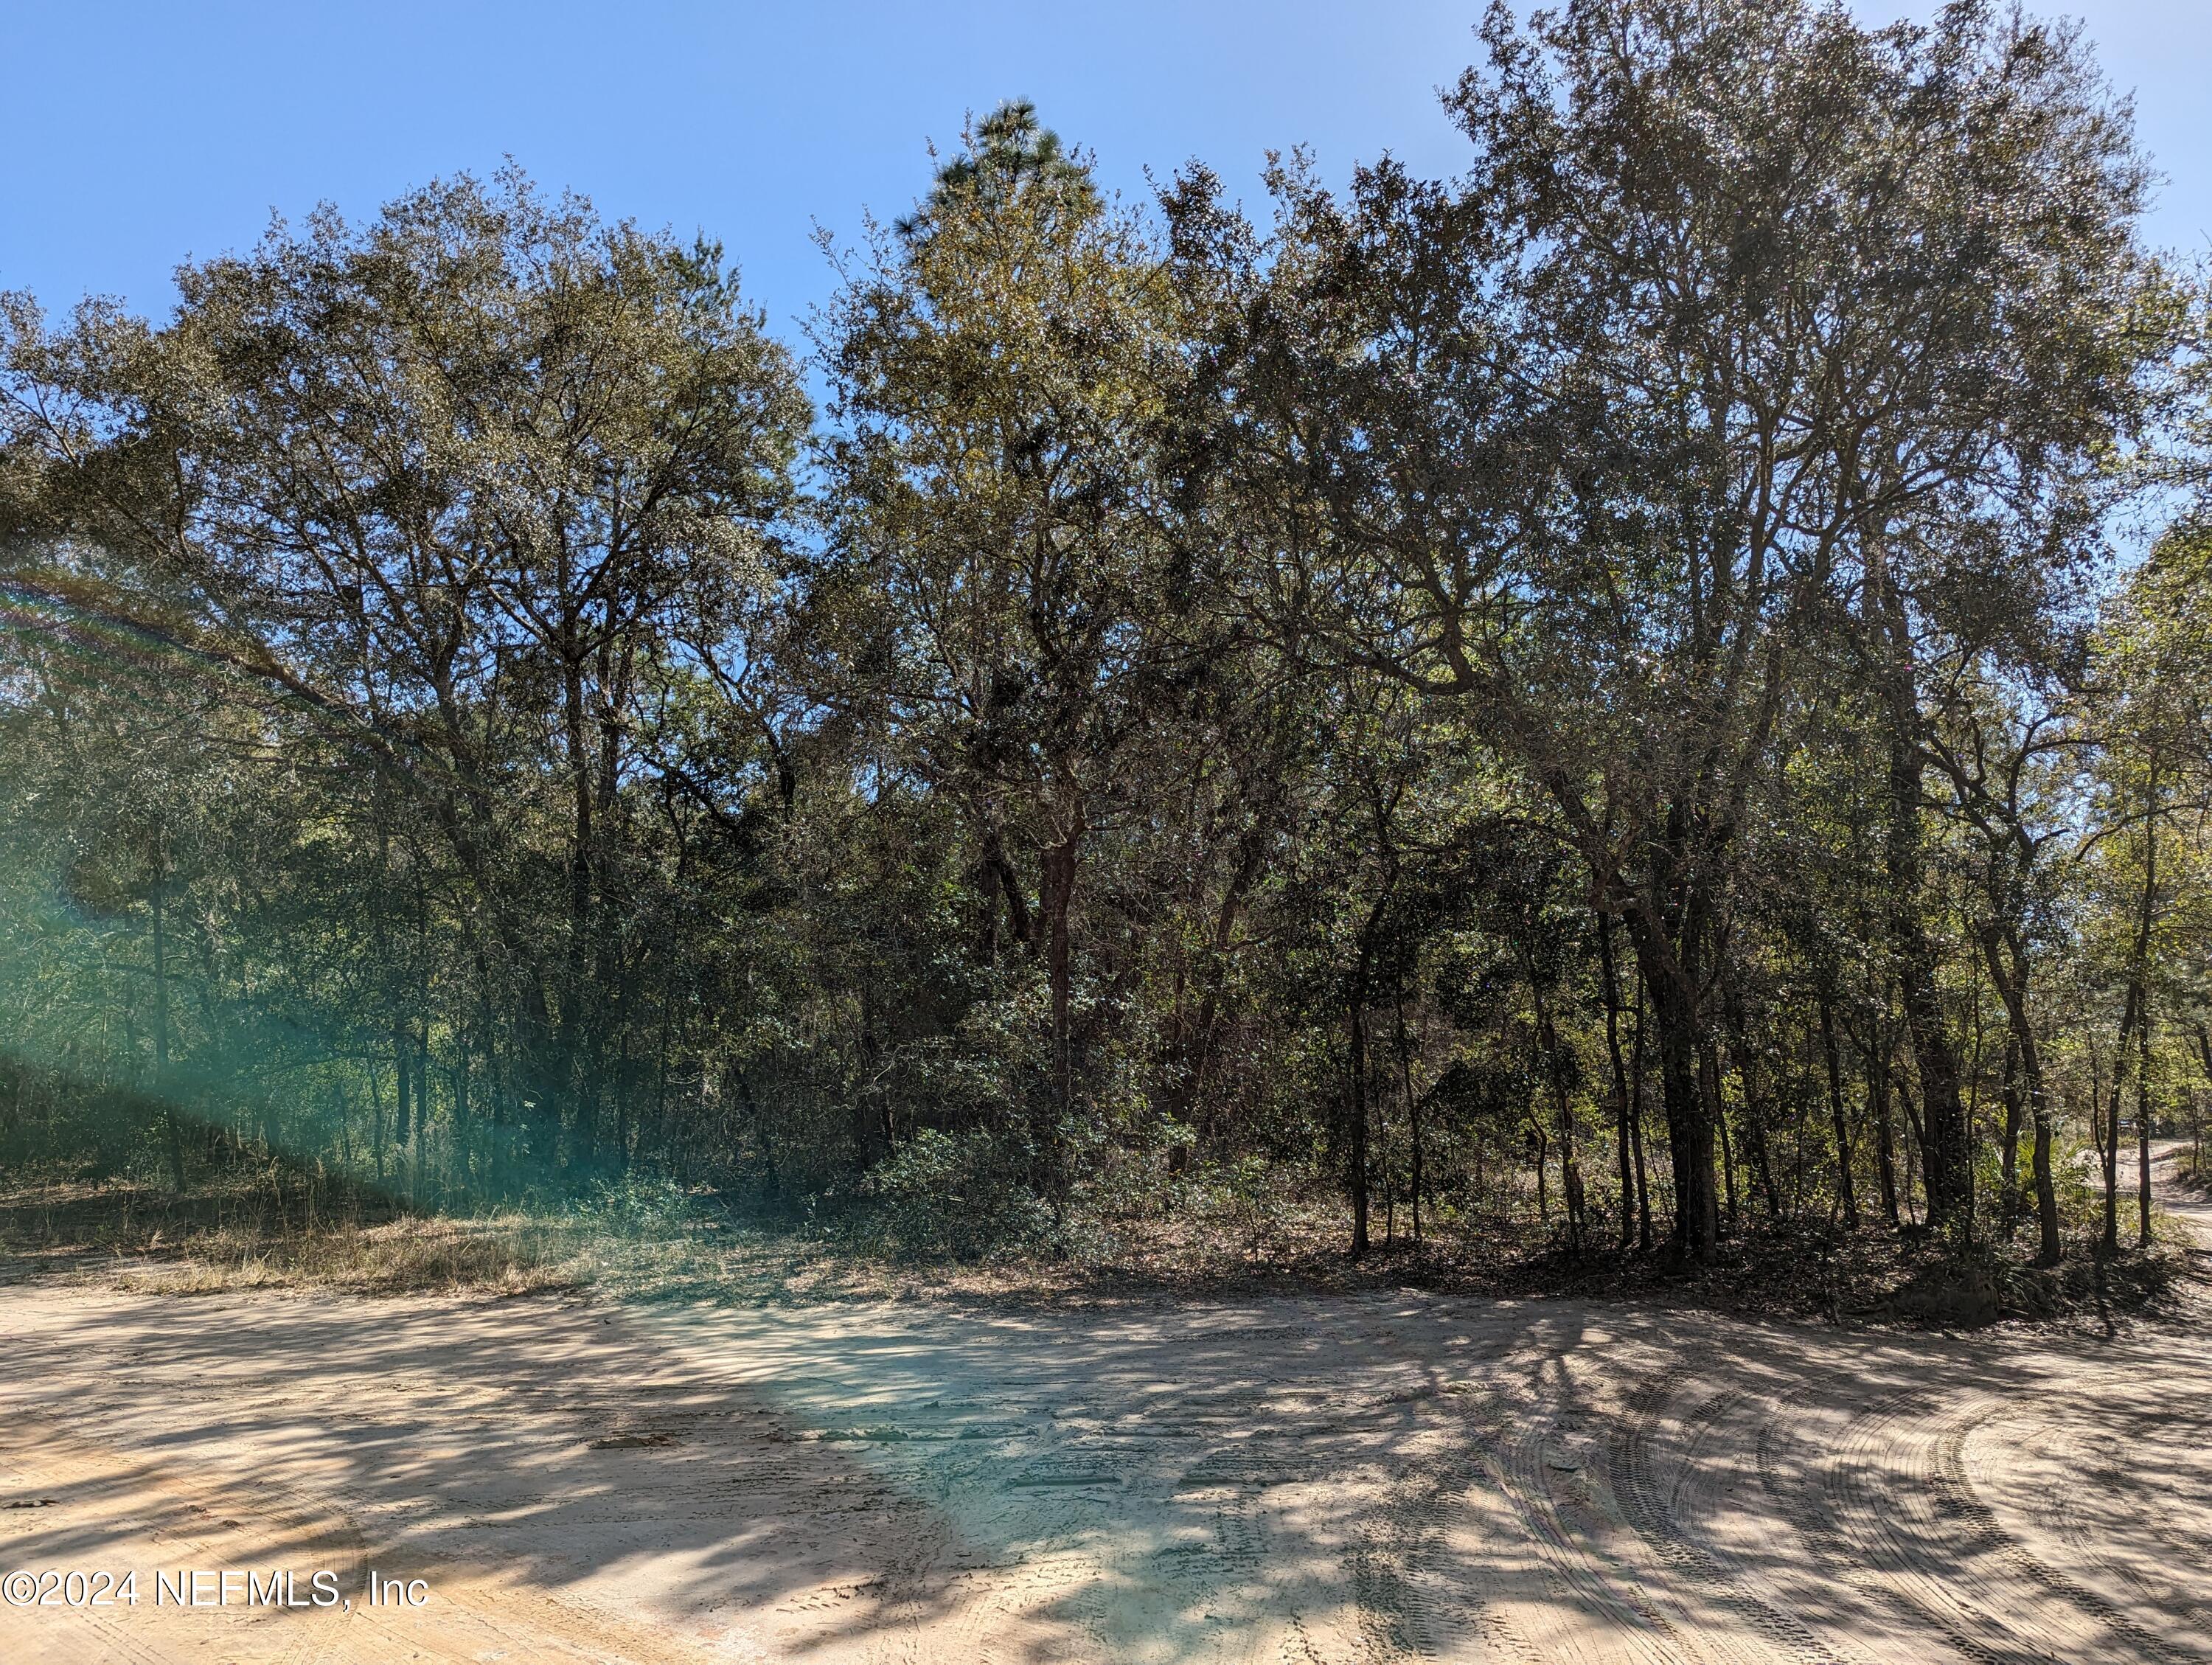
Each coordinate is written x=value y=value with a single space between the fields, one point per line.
x=1001 y=579
x=2153 y=726
x=446 y=485
x=1595 y=445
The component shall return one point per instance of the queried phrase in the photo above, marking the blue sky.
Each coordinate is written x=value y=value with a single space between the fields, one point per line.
x=144 y=133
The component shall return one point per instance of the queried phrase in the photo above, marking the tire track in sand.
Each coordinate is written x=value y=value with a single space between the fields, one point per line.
x=1651 y=1516
x=1957 y=1503
x=1581 y=1574
x=1891 y=1515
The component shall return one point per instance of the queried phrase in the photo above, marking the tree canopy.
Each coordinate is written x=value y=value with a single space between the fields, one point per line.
x=1619 y=697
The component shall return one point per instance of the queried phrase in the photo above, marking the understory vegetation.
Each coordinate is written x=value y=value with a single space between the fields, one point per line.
x=1637 y=713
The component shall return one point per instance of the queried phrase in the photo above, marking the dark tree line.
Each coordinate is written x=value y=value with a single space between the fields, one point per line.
x=1596 y=694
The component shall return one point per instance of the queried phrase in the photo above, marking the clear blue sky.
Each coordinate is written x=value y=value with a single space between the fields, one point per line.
x=140 y=133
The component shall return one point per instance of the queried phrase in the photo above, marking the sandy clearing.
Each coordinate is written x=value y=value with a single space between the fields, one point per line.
x=1370 y=1478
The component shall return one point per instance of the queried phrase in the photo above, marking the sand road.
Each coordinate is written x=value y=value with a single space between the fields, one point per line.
x=1354 y=1479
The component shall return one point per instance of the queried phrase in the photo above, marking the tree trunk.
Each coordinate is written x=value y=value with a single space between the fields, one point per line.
x=1846 y=1195
x=1635 y=1127
x=1363 y=977
x=2009 y=971
x=2139 y=999
x=2142 y=1131
x=2196 y=1120
x=1570 y=1181
x=1413 y=1111
x=1878 y=1060
x=1754 y=1129
x=1946 y=1168
x=1002 y=879
x=1709 y=1084
x=1689 y=1126
x=1948 y=1175
x=172 y=1127
x=576 y=1014
x=404 y=1062
x=1058 y=899
x=2009 y=1148
x=1916 y=1146
x=2107 y=1132
x=1356 y=1124
x=2048 y=1247
x=1669 y=942
x=1623 y=1135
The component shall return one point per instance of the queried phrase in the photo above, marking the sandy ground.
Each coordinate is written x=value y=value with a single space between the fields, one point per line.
x=1368 y=1477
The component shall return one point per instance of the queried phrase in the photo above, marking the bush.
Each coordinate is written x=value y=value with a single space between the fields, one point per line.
x=957 y=1196
x=637 y=1205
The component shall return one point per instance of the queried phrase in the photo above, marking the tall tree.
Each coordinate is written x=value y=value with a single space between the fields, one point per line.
x=1003 y=368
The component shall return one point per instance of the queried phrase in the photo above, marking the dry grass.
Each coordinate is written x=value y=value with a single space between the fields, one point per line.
x=242 y=1235
x=405 y=1257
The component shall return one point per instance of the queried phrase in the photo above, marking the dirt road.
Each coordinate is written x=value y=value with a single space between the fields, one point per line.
x=1408 y=1477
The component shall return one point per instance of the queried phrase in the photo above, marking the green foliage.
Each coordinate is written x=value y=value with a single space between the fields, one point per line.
x=959 y=1196
x=1586 y=691
x=639 y=1207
